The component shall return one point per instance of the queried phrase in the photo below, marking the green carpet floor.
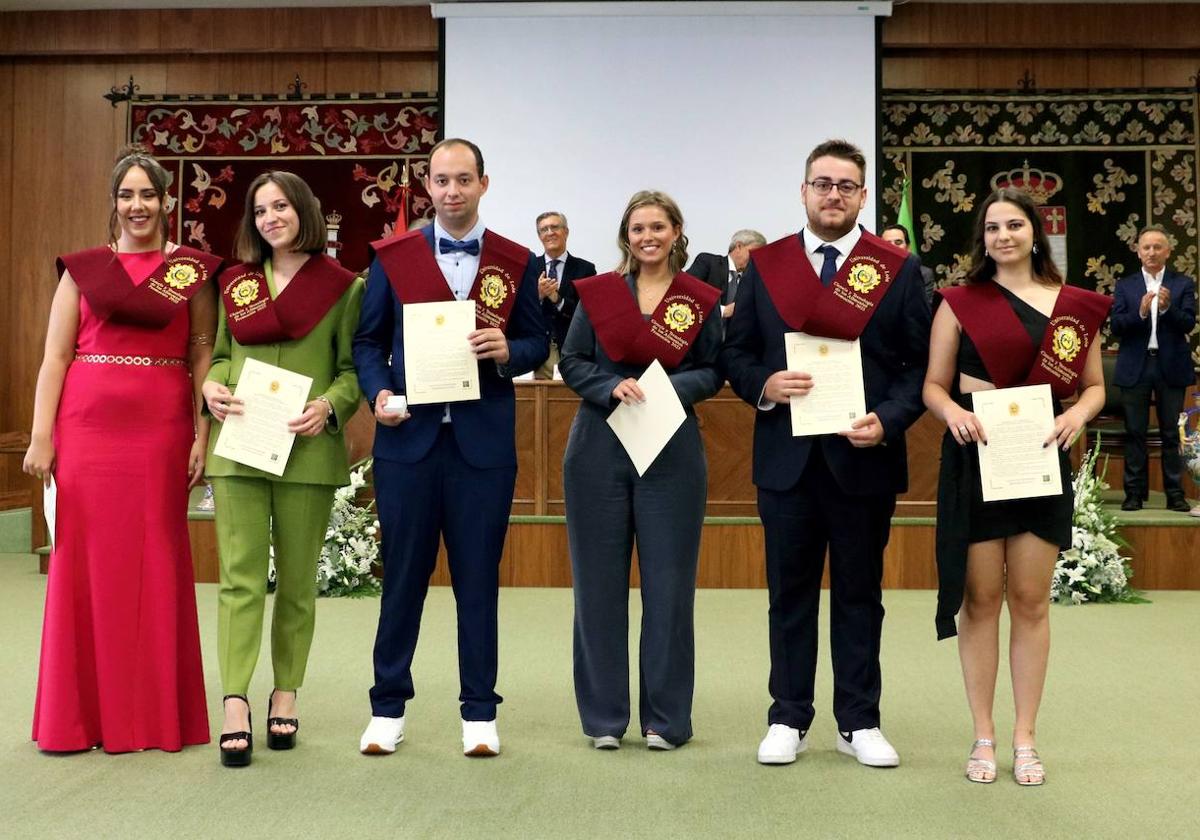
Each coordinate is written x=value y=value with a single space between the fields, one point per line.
x=1117 y=733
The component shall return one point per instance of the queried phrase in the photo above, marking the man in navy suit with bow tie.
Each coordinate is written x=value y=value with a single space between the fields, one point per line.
x=1154 y=311
x=446 y=471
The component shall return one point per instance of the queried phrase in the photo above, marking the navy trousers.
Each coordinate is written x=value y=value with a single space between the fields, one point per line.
x=798 y=525
x=440 y=496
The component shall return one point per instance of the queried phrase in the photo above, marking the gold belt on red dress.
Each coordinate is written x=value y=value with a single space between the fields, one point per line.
x=138 y=361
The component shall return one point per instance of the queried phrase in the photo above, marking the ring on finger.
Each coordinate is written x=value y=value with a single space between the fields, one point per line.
x=962 y=430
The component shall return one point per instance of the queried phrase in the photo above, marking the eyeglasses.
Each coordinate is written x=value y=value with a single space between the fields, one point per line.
x=544 y=229
x=824 y=186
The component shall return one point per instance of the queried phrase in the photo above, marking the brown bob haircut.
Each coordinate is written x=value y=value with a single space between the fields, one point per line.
x=250 y=247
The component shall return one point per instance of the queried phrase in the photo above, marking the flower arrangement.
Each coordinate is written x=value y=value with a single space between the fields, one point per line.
x=1092 y=569
x=351 y=549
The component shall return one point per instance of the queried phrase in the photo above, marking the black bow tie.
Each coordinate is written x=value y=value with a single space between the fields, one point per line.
x=469 y=246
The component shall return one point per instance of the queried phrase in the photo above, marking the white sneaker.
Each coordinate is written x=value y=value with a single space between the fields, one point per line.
x=657 y=742
x=606 y=742
x=480 y=738
x=781 y=744
x=381 y=736
x=869 y=747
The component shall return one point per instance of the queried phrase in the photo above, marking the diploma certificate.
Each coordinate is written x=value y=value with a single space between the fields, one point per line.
x=838 y=396
x=1014 y=464
x=646 y=428
x=259 y=437
x=439 y=365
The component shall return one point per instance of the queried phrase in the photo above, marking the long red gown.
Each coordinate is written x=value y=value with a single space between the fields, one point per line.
x=120 y=660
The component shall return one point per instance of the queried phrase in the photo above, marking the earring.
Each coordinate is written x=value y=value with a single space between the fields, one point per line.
x=986 y=253
x=1035 y=248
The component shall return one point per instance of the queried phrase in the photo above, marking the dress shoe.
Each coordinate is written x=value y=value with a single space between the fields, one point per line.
x=782 y=744
x=657 y=742
x=480 y=738
x=1131 y=503
x=606 y=742
x=869 y=747
x=382 y=735
x=1178 y=503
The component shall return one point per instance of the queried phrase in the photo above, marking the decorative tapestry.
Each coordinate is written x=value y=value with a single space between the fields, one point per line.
x=365 y=158
x=1100 y=166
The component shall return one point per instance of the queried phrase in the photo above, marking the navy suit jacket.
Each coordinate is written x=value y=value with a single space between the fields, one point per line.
x=1174 y=326
x=895 y=352
x=483 y=428
x=558 y=321
x=713 y=269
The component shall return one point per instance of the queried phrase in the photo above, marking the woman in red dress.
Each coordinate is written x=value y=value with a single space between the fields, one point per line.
x=116 y=427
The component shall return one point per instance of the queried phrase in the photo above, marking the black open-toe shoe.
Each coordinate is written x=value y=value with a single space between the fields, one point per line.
x=237 y=757
x=280 y=740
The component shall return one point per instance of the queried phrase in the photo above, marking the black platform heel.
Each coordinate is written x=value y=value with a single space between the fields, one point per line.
x=280 y=740
x=237 y=757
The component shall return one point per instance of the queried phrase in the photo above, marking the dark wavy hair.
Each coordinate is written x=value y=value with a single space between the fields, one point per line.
x=983 y=267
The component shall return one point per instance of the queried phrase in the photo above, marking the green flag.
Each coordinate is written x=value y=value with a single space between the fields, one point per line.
x=904 y=216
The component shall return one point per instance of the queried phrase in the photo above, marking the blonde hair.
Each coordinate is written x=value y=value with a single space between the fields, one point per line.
x=652 y=198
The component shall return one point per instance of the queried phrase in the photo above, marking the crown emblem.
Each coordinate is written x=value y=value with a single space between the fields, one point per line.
x=334 y=219
x=1036 y=183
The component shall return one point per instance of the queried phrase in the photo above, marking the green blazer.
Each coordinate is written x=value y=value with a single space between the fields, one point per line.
x=325 y=355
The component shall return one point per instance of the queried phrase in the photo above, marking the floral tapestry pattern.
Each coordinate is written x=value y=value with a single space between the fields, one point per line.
x=352 y=151
x=1100 y=166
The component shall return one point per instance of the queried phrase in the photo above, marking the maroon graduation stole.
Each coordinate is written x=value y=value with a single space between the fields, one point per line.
x=840 y=310
x=1004 y=345
x=112 y=295
x=416 y=277
x=255 y=318
x=623 y=333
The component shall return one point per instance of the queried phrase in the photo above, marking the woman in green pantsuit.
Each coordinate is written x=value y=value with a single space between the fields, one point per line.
x=290 y=306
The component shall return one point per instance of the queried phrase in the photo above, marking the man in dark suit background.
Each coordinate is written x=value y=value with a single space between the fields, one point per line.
x=835 y=491
x=445 y=471
x=725 y=272
x=898 y=236
x=556 y=285
x=1154 y=311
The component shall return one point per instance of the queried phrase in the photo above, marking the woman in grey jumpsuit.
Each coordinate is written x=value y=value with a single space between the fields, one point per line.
x=645 y=311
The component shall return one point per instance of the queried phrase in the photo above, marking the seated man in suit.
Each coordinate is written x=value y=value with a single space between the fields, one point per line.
x=445 y=471
x=556 y=285
x=1154 y=311
x=725 y=272
x=898 y=236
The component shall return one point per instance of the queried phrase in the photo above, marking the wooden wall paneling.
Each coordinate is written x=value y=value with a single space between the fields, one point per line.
x=186 y=74
x=526 y=491
x=1163 y=558
x=244 y=73
x=184 y=32
x=8 y=348
x=352 y=73
x=1170 y=69
x=727 y=426
x=1114 y=68
x=909 y=25
x=406 y=29
x=309 y=66
x=408 y=73
x=926 y=69
x=952 y=25
x=561 y=406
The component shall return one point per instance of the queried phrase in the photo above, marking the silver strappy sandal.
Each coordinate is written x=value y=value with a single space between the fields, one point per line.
x=1027 y=767
x=981 y=770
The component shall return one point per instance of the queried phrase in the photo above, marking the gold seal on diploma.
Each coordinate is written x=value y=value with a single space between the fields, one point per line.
x=180 y=275
x=1014 y=409
x=1066 y=343
x=492 y=291
x=440 y=320
x=245 y=291
x=863 y=278
x=679 y=317
x=274 y=386
x=823 y=350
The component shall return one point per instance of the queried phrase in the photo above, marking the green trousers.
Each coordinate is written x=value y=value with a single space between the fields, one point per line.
x=251 y=513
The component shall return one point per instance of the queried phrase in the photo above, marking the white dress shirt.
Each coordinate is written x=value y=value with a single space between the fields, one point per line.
x=562 y=264
x=1153 y=284
x=458 y=267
